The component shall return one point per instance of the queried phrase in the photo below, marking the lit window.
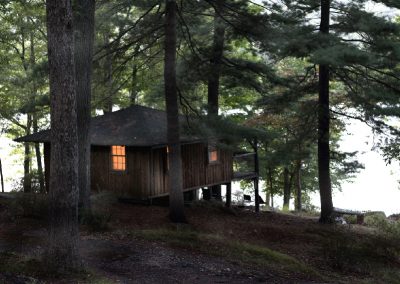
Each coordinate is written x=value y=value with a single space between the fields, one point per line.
x=212 y=155
x=118 y=158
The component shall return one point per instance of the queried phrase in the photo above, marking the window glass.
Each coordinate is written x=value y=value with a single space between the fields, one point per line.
x=212 y=154
x=118 y=158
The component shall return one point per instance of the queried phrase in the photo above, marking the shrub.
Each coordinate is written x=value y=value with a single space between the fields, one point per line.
x=30 y=205
x=373 y=219
x=101 y=214
x=350 y=219
x=345 y=252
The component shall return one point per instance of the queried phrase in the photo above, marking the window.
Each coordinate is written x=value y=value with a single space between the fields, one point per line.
x=212 y=154
x=118 y=158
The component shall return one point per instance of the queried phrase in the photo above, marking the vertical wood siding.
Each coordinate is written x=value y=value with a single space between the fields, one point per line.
x=147 y=174
x=134 y=182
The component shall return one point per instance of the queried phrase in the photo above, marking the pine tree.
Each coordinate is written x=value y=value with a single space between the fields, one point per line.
x=84 y=12
x=63 y=248
x=175 y=183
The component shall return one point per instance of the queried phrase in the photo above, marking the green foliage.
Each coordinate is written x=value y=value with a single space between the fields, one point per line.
x=362 y=255
x=385 y=228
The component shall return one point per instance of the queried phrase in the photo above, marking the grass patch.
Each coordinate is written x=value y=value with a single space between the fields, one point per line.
x=20 y=265
x=234 y=251
x=370 y=255
x=18 y=268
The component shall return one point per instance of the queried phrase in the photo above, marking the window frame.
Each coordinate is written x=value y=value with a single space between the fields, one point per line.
x=112 y=155
x=210 y=149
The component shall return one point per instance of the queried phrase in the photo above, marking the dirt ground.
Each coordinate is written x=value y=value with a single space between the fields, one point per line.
x=120 y=256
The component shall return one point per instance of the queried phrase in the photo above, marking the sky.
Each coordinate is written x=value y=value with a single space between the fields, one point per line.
x=376 y=188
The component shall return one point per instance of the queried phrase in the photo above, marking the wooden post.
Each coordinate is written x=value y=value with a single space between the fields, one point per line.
x=1 y=176
x=228 y=196
x=256 y=179
x=206 y=193
x=216 y=192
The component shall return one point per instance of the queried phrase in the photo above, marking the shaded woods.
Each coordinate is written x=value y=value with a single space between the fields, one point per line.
x=247 y=91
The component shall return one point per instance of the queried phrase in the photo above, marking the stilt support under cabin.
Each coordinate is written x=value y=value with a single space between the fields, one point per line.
x=256 y=179
x=216 y=192
x=206 y=193
x=256 y=196
x=228 y=196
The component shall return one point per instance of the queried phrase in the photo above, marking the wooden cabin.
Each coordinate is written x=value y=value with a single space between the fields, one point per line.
x=129 y=155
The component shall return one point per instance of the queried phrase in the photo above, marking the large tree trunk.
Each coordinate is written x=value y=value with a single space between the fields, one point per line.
x=215 y=62
x=286 y=188
x=214 y=75
x=108 y=68
x=271 y=186
x=1 y=176
x=84 y=38
x=323 y=127
x=38 y=157
x=27 y=158
x=63 y=248
x=298 y=186
x=134 y=87
x=171 y=100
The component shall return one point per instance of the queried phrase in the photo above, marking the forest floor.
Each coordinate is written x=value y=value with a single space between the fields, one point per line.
x=218 y=245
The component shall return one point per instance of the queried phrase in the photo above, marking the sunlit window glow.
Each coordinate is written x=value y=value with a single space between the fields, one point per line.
x=212 y=156
x=118 y=158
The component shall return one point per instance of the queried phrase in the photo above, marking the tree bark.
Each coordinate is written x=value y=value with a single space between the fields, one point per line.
x=134 y=86
x=323 y=127
x=38 y=157
x=215 y=62
x=27 y=158
x=286 y=188
x=256 y=179
x=84 y=39
x=108 y=68
x=1 y=177
x=171 y=99
x=298 y=186
x=63 y=249
x=214 y=76
x=271 y=186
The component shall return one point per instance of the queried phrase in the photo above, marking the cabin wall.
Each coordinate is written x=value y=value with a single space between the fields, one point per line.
x=147 y=173
x=132 y=183
x=196 y=171
x=159 y=172
x=221 y=171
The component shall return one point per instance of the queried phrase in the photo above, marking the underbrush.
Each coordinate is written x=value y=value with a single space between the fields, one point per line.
x=20 y=265
x=235 y=251
x=29 y=205
x=213 y=205
x=373 y=255
x=100 y=216
x=18 y=268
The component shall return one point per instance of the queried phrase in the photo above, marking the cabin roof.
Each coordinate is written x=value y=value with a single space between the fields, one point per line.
x=134 y=126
